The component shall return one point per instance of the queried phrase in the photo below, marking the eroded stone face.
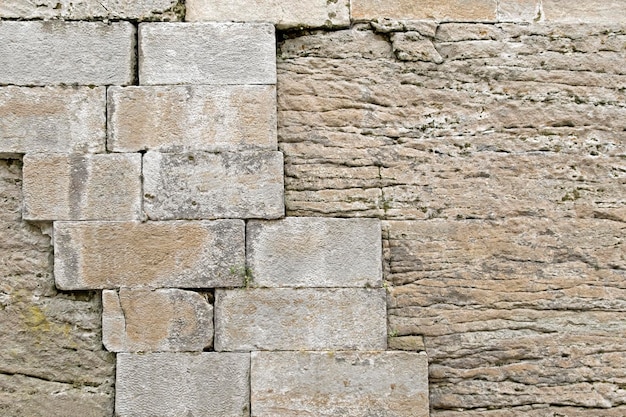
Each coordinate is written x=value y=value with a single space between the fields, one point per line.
x=476 y=10
x=585 y=11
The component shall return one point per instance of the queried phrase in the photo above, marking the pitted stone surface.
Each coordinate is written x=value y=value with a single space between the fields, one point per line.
x=161 y=320
x=183 y=384
x=476 y=10
x=347 y=384
x=82 y=187
x=315 y=252
x=93 y=255
x=58 y=52
x=295 y=319
x=202 y=185
x=184 y=118
x=207 y=53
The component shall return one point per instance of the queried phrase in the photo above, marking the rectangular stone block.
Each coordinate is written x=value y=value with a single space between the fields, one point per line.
x=347 y=384
x=296 y=319
x=315 y=252
x=283 y=13
x=479 y=10
x=519 y=10
x=52 y=119
x=207 y=53
x=59 y=52
x=585 y=11
x=82 y=187
x=204 y=185
x=183 y=384
x=96 y=255
x=144 y=320
x=184 y=118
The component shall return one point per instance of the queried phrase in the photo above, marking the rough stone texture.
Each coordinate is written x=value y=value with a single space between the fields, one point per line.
x=94 y=255
x=296 y=319
x=57 y=52
x=283 y=13
x=51 y=356
x=202 y=185
x=519 y=10
x=207 y=53
x=183 y=118
x=52 y=119
x=82 y=187
x=451 y=10
x=329 y=384
x=315 y=252
x=585 y=11
x=183 y=384
x=156 y=320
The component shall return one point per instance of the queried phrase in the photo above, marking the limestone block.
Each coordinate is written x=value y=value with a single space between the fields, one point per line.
x=183 y=384
x=143 y=320
x=480 y=10
x=93 y=255
x=58 y=52
x=182 y=118
x=519 y=10
x=82 y=187
x=207 y=53
x=284 y=14
x=52 y=119
x=315 y=252
x=204 y=185
x=349 y=384
x=295 y=319
x=585 y=11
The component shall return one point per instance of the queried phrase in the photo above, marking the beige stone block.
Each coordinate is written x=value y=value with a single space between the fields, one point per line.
x=585 y=11
x=94 y=255
x=82 y=187
x=519 y=10
x=481 y=10
x=183 y=118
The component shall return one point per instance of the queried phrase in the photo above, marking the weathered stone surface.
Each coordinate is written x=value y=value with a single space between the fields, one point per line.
x=315 y=252
x=52 y=119
x=296 y=319
x=412 y=46
x=183 y=384
x=82 y=187
x=519 y=10
x=94 y=255
x=328 y=384
x=202 y=185
x=410 y=343
x=141 y=320
x=207 y=53
x=284 y=14
x=183 y=118
x=585 y=11
x=476 y=10
x=58 y=52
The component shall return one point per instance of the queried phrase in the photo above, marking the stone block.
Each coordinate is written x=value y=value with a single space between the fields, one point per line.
x=207 y=53
x=347 y=384
x=52 y=119
x=519 y=10
x=144 y=320
x=58 y=52
x=296 y=319
x=95 y=255
x=184 y=118
x=315 y=252
x=585 y=11
x=82 y=187
x=478 y=10
x=285 y=14
x=183 y=384
x=204 y=185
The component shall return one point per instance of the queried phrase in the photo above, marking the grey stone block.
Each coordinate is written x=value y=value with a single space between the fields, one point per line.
x=207 y=53
x=295 y=319
x=206 y=384
x=204 y=185
x=333 y=384
x=315 y=252
x=58 y=52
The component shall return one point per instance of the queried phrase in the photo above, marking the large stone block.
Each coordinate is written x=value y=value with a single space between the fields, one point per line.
x=315 y=252
x=92 y=255
x=347 y=384
x=143 y=320
x=207 y=53
x=58 y=52
x=183 y=384
x=183 y=118
x=295 y=319
x=204 y=185
x=284 y=14
x=585 y=11
x=82 y=187
x=481 y=10
x=52 y=119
